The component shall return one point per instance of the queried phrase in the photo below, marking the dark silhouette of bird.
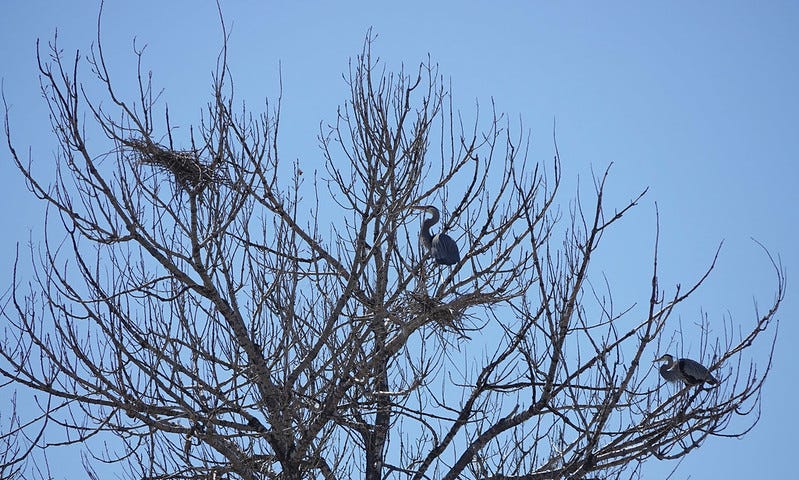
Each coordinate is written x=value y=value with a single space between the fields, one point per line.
x=685 y=370
x=442 y=247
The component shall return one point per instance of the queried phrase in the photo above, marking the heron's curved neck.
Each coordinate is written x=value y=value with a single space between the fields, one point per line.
x=434 y=217
x=425 y=233
x=429 y=222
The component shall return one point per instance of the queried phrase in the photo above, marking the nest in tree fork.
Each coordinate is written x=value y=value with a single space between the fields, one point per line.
x=185 y=165
x=423 y=305
x=449 y=315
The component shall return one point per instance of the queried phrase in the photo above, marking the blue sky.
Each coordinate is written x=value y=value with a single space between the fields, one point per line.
x=696 y=100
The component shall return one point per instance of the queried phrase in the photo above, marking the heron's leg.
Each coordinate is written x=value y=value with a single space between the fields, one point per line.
x=421 y=285
x=442 y=279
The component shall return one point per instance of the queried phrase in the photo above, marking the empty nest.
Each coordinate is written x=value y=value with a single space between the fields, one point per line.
x=190 y=173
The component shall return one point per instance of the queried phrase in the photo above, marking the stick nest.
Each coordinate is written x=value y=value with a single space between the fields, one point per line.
x=190 y=173
x=422 y=305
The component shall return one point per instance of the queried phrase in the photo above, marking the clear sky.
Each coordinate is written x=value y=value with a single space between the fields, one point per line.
x=696 y=100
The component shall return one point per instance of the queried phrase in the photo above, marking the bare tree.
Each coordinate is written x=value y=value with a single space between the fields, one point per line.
x=188 y=304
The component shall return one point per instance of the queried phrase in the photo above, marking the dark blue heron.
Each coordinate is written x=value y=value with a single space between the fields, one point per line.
x=685 y=370
x=669 y=374
x=442 y=247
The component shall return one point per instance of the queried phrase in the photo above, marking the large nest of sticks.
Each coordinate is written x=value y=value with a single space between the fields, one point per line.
x=434 y=310
x=449 y=315
x=190 y=173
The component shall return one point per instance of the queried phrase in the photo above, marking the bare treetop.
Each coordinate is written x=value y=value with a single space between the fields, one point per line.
x=193 y=309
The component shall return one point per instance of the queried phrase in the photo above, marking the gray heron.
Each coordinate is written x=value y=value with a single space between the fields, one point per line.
x=684 y=370
x=442 y=247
